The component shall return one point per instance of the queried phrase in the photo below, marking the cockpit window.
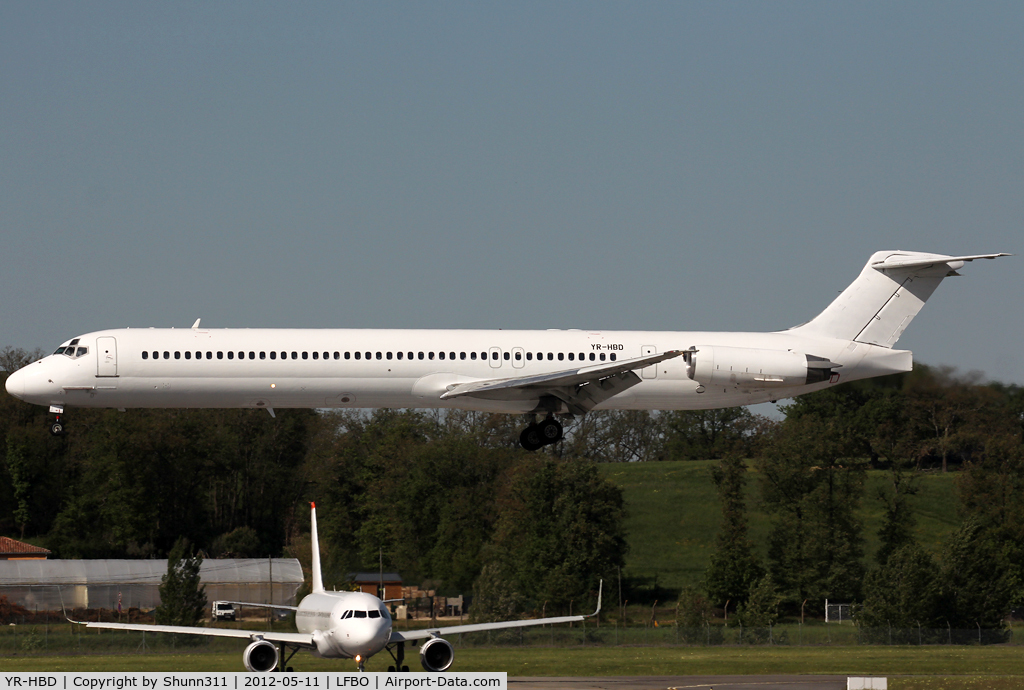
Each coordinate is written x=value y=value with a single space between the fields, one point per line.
x=374 y=614
x=81 y=351
x=360 y=614
x=347 y=614
x=59 y=351
x=71 y=351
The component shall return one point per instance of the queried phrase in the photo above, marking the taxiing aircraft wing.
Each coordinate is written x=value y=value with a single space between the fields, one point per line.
x=294 y=639
x=406 y=635
x=581 y=389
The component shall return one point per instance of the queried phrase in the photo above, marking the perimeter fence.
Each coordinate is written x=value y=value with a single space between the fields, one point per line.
x=65 y=638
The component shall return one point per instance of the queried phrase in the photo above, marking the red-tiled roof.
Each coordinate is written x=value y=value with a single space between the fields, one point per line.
x=13 y=547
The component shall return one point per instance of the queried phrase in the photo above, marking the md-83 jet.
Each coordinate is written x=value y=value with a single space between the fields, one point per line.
x=549 y=376
x=342 y=625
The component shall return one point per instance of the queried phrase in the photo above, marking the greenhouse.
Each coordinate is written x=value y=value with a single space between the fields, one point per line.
x=42 y=585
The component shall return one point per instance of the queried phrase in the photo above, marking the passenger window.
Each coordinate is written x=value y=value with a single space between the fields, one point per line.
x=420 y=355
x=440 y=355
x=462 y=355
x=378 y=355
x=145 y=355
x=529 y=356
x=305 y=355
x=374 y=613
x=582 y=356
x=360 y=614
x=560 y=356
x=327 y=355
x=472 y=355
x=359 y=355
x=592 y=357
x=571 y=356
x=273 y=355
x=399 y=355
x=369 y=355
x=410 y=355
x=348 y=355
x=231 y=354
x=519 y=356
x=209 y=355
x=220 y=355
x=188 y=355
x=388 y=355
x=337 y=355
x=177 y=355
x=430 y=355
x=613 y=356
x=602 y=356
x=295 y=355
x=451 y=355
x=494 y=355
x=316 y=355
x=241 y=355
x=263 y=355
x=551 y=356
x=252 y=355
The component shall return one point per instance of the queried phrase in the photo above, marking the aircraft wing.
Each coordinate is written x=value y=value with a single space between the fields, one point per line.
x=581 y=389
x=295 y=639
x=406 y=635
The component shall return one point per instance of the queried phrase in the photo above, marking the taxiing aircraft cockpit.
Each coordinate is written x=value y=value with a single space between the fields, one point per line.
x=372 y=613
x=72 y=350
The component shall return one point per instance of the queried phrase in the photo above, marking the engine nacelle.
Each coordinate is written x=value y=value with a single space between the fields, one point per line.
x=742 y=367
x=436 y=654
x=260 y=657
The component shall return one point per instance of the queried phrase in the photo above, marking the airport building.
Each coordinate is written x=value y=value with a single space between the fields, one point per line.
x=42 y=584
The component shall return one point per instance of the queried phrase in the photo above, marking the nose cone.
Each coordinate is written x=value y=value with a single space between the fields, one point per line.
x=16 y=384
x=33 y=384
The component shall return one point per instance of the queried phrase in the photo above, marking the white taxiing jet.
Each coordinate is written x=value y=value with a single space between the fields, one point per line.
x=342 y=625
x=547 y=375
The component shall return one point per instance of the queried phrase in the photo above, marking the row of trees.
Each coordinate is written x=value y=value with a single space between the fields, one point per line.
x=450 y=499
x=811 y=474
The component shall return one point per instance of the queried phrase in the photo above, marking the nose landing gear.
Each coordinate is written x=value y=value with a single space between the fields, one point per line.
x=537 y=435
x=57 y=427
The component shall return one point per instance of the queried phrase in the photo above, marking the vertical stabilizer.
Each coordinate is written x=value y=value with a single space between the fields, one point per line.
x=889 y=292
x=318 y=580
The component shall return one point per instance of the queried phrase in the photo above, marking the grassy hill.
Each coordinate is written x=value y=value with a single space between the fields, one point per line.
x=674 y=515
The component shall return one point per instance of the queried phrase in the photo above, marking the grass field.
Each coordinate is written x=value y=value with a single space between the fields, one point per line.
x=952 y=668
x=674 y=514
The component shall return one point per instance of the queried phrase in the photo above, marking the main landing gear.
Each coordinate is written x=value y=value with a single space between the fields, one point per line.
x=538 y=435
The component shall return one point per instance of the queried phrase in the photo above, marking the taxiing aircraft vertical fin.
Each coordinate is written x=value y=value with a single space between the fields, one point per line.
x=318 y=581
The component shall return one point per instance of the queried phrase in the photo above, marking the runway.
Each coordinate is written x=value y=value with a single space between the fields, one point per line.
x=680 y=683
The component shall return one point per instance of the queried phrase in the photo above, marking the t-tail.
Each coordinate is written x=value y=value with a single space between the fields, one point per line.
x=318 y=580
x=889 y=292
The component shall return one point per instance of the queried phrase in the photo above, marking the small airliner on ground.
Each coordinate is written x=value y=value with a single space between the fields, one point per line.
x=342 y=625
x=547 y=375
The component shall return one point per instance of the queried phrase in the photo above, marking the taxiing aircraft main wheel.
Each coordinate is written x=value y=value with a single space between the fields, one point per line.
x=550 y=431
x=56 y=428
x=530 y=439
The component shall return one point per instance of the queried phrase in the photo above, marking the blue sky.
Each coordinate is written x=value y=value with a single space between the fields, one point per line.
x=668 y=166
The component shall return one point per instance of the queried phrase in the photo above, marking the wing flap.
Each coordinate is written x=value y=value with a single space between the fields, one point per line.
x=581 y=388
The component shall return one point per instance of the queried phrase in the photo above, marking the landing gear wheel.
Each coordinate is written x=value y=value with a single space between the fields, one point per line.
x=530 y=439
x=57 y=429
x=550 y=431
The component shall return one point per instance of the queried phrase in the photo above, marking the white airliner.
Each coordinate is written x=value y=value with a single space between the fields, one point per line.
x=342 y=625
x=547 y=375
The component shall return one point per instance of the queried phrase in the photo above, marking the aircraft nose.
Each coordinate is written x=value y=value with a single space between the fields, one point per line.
x=16 y=384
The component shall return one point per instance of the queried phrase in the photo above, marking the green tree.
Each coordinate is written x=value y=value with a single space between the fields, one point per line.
x=903 y=592
x=182 y=595
x=707 y=434
x=733 y=568
x=559 y=530
x=812 y=487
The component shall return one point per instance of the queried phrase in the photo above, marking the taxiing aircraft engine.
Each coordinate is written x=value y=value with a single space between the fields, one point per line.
x=742 y=367
x=436 y=654
x=260 y=657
